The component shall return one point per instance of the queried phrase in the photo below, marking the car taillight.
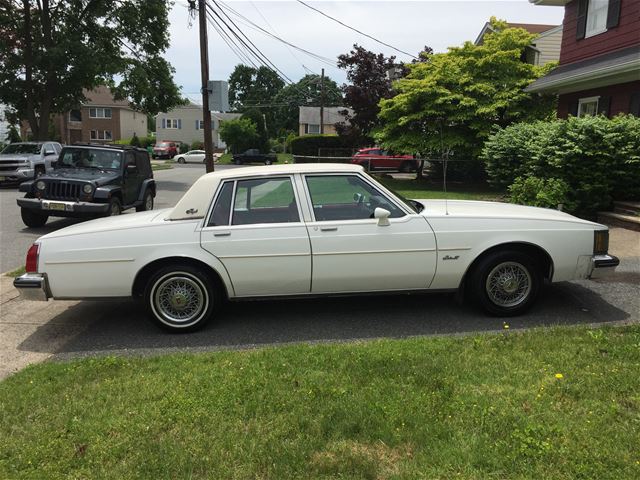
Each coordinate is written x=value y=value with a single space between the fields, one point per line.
x=32 y=258
x=600 y=242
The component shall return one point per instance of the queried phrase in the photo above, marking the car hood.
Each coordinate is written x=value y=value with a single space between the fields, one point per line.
x=18 y=157
x=476 y=209
x=98 y=177
x=120 y=222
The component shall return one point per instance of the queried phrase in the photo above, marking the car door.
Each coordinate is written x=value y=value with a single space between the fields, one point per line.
x=351 y=252
x=131 y=177
x=255 y=229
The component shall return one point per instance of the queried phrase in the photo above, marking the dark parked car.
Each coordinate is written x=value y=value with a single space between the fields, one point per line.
x=253 y=155
x=90 y=181
x=378 y=159
x=165 y=149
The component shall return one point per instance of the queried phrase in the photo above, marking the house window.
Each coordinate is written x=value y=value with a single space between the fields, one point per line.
x=75 y=116
x=312 y=128
x=588 y=106
x=100 y=113
x=101 y=135
x=173 y=123
x=199 y=124
x=596 y=17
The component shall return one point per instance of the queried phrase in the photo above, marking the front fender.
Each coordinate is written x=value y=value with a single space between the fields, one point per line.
x=106 y=192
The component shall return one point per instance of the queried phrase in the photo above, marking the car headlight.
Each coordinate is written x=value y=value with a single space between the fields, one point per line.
x=87 y=189
x=40 y=185
x=600 y=242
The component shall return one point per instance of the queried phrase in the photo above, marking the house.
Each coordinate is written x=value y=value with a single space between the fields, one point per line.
x=545 y=47
x=309 y=119
x=599 y=69
x=184 y=124
x=4 y=124
x=100 y=118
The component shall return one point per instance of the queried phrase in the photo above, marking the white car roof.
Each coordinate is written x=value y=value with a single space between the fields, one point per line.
x=196 y=200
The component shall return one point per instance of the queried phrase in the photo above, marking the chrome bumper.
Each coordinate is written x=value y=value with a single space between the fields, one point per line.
x=602 y=265
x=33 y=286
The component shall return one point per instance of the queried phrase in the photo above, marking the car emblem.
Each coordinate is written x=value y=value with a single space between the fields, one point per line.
x=448 y=257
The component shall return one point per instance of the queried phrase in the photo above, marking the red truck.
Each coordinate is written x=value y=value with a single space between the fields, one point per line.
x=165 y=149
x=378 y=159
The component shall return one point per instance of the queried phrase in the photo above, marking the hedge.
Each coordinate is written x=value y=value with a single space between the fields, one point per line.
x=597 y=158
x=311 y=144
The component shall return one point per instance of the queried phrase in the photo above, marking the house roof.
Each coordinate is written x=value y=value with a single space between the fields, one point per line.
x=534 y=28
x=102 y=97
x=607 y=69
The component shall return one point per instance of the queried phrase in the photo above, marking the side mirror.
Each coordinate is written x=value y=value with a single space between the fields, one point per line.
x=383 y=216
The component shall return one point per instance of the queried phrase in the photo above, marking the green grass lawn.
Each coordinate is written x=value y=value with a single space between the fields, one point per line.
x=168 y=165
x=560 y=403
x=426 y=189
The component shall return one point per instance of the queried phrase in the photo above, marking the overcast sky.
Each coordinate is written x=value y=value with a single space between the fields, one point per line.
x=407 y=25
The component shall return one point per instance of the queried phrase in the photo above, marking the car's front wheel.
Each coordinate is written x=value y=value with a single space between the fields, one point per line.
x=180 y=298
x=147 y=202
x=237 y=162
x=115 y=207
x=505 y=283
x=33 y=219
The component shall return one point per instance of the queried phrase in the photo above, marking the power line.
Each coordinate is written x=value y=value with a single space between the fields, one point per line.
x=355 y=29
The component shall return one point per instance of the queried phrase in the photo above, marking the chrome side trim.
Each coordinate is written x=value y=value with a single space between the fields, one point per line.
x=367 y=252
x=267 y=255
x=67 y=262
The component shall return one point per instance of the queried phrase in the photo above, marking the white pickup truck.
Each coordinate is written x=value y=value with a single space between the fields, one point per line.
x=27 y=160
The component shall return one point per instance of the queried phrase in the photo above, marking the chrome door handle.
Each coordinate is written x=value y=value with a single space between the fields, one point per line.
x=222 y=234
x=328 y=229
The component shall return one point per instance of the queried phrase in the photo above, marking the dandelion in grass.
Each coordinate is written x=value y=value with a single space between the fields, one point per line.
x=559 y=375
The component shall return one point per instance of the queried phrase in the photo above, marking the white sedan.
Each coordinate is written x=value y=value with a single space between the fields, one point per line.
x=312 y=230
x=194 y=156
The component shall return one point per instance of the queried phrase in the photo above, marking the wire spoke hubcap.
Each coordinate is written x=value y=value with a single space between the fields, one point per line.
x=508 y=284
x=180 y=299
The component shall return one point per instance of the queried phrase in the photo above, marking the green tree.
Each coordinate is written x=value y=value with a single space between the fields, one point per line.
x=449 y=104
x=52 y=50
x=13 y=135
x=255 y=88
x=306 y=92
x=239 y=134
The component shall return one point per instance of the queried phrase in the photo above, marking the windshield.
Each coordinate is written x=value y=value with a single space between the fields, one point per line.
x=24 y=148
x=90 y=158
x=163 y=145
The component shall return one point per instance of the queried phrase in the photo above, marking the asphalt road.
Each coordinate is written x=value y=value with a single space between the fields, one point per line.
x=16 y=238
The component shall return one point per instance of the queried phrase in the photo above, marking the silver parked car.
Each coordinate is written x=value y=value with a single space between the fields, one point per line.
x=26 y=160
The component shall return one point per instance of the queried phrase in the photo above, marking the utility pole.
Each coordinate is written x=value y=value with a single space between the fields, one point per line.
x=204 y=69
x=322 y=103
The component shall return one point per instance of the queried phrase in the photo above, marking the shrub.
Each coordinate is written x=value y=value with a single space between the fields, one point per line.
x=596 y=157
x=135 y=141
x=197 y=145
x=309 y=145
x=183 y=148
x=541 y=192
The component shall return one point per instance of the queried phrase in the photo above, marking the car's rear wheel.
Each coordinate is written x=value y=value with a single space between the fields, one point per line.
x=268 y=162
x=147 y=202
x=33 y=219
x=181 y=298
x=237 y=162
x=505 y=283
x=180 y=160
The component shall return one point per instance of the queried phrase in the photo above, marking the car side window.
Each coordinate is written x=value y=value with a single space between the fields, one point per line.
x=346 y=197
x=222 y=208
x=264 y=200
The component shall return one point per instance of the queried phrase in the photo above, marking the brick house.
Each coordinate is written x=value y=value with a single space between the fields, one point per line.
x=100 y=118
x=544 y=48
x=599 y=69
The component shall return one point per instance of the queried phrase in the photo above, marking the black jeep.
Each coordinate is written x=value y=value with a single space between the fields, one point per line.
x=90 y=181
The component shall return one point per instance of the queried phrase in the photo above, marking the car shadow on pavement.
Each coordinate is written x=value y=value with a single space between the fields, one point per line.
x=121 y=327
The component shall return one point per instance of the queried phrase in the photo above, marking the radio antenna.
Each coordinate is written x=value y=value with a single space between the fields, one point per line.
x=444 y=155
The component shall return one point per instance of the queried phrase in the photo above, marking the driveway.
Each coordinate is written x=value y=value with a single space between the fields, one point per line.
x=35 y=331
